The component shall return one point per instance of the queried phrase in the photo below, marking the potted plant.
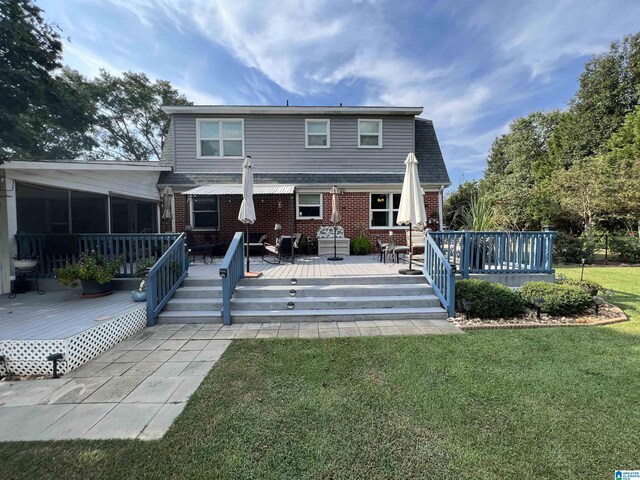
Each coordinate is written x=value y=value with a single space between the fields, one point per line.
x=25 y=261
x=94 y=271
x=140 y=295
x=361 y=245
x=312 y=245
x=142 y=270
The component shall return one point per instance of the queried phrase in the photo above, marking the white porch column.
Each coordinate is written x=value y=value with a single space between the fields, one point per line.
x=8 y=228
x=440 y=200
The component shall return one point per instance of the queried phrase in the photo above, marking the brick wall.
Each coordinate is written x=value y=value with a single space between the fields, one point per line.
x=272 y=209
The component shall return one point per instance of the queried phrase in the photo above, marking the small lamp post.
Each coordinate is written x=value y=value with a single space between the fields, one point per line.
x=538 y=302
x=583 y=261
x=466 y=307
x=598 y=301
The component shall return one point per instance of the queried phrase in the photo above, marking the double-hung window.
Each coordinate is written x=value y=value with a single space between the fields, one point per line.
x=309 y=206
x=204 y=212
x=317 y=134
x=369 y=133
x=384 y=209
x=220 y=138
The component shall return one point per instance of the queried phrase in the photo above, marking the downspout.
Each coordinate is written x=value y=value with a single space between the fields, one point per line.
x=440 y=201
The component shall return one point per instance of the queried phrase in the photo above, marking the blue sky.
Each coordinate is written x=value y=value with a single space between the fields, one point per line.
x=473 y=65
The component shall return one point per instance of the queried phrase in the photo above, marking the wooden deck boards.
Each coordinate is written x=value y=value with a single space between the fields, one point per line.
x=58 y=314
x=309 y=267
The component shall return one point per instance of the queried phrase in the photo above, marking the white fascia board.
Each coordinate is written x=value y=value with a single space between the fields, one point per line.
x=125 y=166
x=262 y=110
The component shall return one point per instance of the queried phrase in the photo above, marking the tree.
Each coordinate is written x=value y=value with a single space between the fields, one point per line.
x=457 y=202
x=43 y=112
x=608 y=91
x=516 y=162
x=130 y=123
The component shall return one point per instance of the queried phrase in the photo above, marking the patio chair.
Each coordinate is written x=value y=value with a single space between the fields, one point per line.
x=281 y=249
x=380 y=247
x=205 y=249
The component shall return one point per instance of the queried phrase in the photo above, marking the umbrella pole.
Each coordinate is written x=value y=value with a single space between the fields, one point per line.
x=335 y=257
x=410 y=270
x=247 y=248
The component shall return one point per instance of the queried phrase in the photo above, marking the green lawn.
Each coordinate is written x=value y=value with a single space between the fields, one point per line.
x=519 y=404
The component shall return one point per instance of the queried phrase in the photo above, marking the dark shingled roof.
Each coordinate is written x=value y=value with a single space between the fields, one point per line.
x=194 y=179
x=431 y=169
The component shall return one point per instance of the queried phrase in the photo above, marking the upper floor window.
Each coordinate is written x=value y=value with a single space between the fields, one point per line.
x=369 y=133
x=317 y=134
x=220 y=138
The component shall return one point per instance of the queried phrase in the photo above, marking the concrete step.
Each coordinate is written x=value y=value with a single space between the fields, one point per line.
x=199 y=292
x=333 y=303
x=201 y=282
x=203 y=316
x=191 y=304
x=342 y=315
x=356 y=280
x=378 y=290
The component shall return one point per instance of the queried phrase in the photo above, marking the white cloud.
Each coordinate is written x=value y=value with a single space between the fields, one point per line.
x=498 y=53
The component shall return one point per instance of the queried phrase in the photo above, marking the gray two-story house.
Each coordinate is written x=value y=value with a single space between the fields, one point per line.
x=298 y=154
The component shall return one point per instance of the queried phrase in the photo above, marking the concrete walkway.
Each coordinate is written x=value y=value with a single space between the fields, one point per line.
x=138 y=388
x=134 y=390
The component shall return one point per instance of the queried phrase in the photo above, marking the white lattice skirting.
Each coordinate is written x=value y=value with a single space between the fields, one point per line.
x=29 y=357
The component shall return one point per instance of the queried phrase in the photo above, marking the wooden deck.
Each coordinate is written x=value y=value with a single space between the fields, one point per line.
x=309 y=267
x=58 y=314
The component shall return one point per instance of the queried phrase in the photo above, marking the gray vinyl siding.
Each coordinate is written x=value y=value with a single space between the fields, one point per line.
x=277 y=144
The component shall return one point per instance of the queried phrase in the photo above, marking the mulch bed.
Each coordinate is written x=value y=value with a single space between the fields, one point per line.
x=607 y=314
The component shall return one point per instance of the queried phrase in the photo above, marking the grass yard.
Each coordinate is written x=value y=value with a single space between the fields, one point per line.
x=525 y=404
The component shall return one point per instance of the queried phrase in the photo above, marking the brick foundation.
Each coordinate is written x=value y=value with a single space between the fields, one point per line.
x=272 y=209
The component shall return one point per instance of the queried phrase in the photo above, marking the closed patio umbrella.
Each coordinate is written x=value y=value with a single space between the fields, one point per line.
x=167 y=210
x=247 y=214
x=335 y=219
x=411 y=210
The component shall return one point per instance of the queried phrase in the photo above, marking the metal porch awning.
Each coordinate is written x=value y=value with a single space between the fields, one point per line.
x=236 y=189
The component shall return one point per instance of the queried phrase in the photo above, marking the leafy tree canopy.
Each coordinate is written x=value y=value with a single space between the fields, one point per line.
x=130 y=124
x=44 y=112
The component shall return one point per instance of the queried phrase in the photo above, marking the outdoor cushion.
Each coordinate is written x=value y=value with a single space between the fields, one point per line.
x=327 y=232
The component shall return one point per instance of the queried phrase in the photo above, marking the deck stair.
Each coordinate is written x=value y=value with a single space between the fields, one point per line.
x=316 y=299
x=199 y=300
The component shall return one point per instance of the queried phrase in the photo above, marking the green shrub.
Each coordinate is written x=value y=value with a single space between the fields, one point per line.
x=487 y=299
x=361 y=245
x=89 y=266
x=567 y=248
x=626 y=248
x=592 y=288
x=559 y=299
x=143 y=264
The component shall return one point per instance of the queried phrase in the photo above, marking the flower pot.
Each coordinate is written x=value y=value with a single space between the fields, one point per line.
x=25 y=263
x=139 y=296
x=93 y=289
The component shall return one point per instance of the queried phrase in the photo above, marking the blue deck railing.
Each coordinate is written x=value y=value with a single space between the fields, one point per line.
x=231 y=272
x=497 y=252
x=133 y=247
x=164 y=278
x=439 y=274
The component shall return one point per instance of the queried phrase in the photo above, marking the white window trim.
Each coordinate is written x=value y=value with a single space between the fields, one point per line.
x=192 y=216
x=221 y=135
x=379 y=120
x=388 y=210
x=298 y=217
x=306 y=132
